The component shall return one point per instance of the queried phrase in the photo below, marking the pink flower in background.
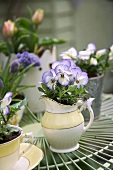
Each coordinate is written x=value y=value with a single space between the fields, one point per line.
x=8 y=28
x=38 y=16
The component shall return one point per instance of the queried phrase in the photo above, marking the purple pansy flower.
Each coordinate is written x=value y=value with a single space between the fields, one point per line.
x=81 y=78
x=62 y=78
x=5 y=102
x=64 y=62
x=49 y=79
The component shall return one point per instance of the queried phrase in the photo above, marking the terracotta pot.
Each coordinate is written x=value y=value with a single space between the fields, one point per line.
x=63 y=125
x=9 y=151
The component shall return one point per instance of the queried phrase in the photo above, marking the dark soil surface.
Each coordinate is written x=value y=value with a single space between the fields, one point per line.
x=10 y=137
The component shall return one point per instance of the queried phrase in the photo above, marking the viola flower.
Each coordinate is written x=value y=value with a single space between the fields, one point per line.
x=48 y=78
x=64 y=62
x=64 y=81
x=80 y=77
x=5 y=102
x=62 y=78
x=9 y=28
x=71 y=53
x=38 y=16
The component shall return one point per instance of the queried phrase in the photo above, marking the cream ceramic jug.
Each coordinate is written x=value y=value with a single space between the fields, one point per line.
x=63 y=125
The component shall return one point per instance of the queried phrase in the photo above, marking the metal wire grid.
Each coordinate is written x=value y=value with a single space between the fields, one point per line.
x=96 y=146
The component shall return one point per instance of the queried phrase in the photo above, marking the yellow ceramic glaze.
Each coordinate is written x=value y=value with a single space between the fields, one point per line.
x=34 y=155
x=60 y=121
x=9 y=147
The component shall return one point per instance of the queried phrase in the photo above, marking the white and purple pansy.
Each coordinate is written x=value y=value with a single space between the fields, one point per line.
x=64 y=72
x=5 y=102
x=80 y=78
x=64 y=62
x=49 y=78
x=63 y=78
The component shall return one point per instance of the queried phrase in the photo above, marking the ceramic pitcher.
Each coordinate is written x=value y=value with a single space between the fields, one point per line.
x=63 y=125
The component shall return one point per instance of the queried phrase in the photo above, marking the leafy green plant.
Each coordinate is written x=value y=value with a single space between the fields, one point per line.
x=7 y=110
x=94 y=62
x=64 y=83
x=22 y=35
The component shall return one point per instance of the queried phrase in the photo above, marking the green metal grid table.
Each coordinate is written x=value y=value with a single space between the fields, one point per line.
x=96 y=145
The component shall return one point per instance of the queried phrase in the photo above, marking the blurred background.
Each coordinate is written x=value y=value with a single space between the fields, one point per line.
x=78 y=21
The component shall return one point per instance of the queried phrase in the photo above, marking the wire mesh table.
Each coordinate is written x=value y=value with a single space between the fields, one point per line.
x=96 y=145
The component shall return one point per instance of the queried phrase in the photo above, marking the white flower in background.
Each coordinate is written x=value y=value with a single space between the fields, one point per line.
x=71 y=53
x=91 y=47
x=111 y=48
x=93 y=61
x=100 y=53
x=84 y=55
x=111 y=53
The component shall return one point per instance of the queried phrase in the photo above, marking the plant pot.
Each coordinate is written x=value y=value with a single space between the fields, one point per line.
x=94 y=88
x=108 y=82
x=63 y=125
x=9 y=151
x=15 y=120
x=34 y=76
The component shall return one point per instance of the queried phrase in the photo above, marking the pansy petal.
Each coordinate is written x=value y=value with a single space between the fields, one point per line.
x=46 y=76
x=76 y=72
x=66 y=62
x=91 y=47
x=51 y=84
x=8 y=94
x=6 y=110
x=63 y=79
x=61 y=68
x=55 y=64
x=5 y=102
x=73 y=65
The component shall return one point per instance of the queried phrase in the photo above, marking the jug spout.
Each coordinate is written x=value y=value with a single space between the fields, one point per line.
x=54 y=107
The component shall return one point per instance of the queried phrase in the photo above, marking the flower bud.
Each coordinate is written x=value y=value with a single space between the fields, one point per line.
x=38 y=16
x=8 y=28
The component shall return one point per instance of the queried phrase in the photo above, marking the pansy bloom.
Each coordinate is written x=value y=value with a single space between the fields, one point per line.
x=5 y=102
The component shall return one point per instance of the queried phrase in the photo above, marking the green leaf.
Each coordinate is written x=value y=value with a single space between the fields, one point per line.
x=23 y=23
x=50 y=41
x=40 y=89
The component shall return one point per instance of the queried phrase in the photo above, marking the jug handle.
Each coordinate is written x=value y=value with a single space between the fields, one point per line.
x=91 y=118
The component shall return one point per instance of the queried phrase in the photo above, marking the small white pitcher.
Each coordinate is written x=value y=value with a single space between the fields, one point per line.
x=63 y=125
